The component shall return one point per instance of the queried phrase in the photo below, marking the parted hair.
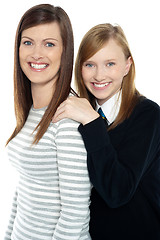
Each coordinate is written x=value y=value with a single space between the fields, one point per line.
x=93 y=41
x=42 y=14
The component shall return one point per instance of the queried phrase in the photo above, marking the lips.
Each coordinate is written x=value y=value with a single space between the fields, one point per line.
x=101 y=86
x=38 y=66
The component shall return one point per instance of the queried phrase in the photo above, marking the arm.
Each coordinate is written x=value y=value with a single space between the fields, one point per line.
x=12 y=218
x=74 y=182
x=116 y=170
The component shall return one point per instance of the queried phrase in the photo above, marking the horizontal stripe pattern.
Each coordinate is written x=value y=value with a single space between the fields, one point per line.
x=53 y=195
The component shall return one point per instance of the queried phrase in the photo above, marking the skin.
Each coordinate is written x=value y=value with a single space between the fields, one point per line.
x=40 y=58
x=102 y=75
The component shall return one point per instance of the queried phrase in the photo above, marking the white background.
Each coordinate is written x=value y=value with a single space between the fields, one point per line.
x=140 y=20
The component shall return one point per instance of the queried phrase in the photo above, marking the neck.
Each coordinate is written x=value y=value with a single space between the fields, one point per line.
x=41 y=95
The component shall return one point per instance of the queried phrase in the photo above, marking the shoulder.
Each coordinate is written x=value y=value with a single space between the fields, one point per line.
x=67 y=134
x=147 y=103
x=67 y=127
x=146 y=107
x=145 y=117
x=65 y=123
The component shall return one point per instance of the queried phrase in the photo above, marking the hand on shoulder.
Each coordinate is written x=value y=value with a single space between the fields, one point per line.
x=78 y=109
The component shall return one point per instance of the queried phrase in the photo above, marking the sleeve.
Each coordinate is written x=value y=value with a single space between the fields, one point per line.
x=12 y=218
x=116 y=171
x=74 y=182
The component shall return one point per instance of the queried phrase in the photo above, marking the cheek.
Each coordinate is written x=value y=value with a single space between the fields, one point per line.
x=86 y=75
x=118 y=74
x=55 y=58
x=22 y=56
x=83 y=72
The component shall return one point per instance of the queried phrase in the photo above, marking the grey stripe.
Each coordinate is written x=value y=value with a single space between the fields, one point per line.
x=57 y=164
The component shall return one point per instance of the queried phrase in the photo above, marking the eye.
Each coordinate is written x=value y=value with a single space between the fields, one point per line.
x=50 y=44
x=27 y=43
x=90 y=65
x=110 y=64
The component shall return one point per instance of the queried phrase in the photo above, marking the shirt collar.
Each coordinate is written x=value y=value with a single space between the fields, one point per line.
x=111 y=107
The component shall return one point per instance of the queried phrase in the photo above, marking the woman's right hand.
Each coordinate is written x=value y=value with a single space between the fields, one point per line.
x=78 y=109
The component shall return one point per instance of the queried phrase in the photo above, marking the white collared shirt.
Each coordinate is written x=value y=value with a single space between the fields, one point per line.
x=111 y=107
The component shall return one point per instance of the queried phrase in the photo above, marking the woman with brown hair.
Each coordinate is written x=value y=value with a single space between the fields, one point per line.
x=53 y=193
x=122 y=143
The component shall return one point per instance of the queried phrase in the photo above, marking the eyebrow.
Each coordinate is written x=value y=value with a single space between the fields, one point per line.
x=106 y=60
x=110 y=60
x=46 y=39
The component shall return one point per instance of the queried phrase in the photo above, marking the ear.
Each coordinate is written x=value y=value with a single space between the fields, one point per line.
x=128 y=65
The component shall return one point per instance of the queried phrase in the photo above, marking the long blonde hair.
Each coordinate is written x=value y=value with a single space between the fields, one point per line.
x=41 y=14
x=92 y=42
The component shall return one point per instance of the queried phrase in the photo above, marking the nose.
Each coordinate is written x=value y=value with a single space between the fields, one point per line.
x=37 y=53
x=100 y=74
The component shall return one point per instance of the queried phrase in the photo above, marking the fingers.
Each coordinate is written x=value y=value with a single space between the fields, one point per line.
x=58 y=117
x=63 y=111
x=58 y=114
x=78 y=109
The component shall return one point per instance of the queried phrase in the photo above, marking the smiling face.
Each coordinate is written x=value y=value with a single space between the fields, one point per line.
x=103 y=73
x=40 y=53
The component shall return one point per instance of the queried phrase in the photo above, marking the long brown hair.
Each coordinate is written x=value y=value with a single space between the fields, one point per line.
x=41 y=14
x=92 y=42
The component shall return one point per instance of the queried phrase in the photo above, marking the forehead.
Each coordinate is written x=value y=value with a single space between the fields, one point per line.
x=110 y=50
x=43 y=30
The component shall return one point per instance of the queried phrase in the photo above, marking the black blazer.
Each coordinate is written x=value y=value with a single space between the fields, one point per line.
x=124 y=168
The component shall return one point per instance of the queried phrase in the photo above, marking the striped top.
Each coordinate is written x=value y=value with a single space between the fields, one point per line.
x=53 y=194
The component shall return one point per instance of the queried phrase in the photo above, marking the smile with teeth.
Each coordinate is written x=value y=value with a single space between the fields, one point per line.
x=38 y=66
x=101 y=85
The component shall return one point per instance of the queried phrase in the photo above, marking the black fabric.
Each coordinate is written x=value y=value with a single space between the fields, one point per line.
x=124 y=168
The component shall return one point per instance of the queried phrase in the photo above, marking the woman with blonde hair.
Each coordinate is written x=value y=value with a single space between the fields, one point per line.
x=53 y=193
x=121 y=132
